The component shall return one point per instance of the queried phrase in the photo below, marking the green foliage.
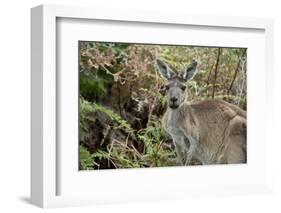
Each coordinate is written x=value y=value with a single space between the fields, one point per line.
x=87 y=107
x=153 y=137
x=122 y=155
x=91 y=85
x=86 y=159
x=121 y=123
x=84 y=108
x=98 y=62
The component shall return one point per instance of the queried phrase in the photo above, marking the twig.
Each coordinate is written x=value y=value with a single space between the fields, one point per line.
x=236 y=71
x=216 y=72
x=243 y=82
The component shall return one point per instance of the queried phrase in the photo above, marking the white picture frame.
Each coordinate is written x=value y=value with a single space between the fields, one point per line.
x=45 y=165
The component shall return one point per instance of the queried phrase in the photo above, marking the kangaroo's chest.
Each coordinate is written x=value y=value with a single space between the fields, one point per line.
x=172 y=125
x=175 y=131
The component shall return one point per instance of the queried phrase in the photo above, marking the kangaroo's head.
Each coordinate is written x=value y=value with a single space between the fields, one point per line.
x=176 y=87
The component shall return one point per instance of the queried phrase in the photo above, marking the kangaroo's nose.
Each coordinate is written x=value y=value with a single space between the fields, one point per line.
x=174 y=99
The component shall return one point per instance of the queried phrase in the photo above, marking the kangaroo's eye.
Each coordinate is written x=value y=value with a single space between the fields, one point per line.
x=183 y=88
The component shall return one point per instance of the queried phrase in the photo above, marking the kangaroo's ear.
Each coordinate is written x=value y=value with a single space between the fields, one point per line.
x=165 y=70
x=189 y=72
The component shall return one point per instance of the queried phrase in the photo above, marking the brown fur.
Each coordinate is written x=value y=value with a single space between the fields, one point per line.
x=218 y=129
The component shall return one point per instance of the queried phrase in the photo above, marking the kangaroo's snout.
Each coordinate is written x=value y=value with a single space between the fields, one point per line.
x=174 y=102
x=174 y=99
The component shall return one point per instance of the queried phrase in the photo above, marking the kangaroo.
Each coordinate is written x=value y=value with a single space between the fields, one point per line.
x=210 y=131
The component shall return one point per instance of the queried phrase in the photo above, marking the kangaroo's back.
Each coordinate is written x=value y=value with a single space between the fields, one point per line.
x=220 y=126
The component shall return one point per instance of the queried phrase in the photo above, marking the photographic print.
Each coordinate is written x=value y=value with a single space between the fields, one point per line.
x=150 y=105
